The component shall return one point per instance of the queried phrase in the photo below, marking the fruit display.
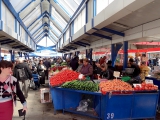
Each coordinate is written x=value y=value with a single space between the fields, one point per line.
x=81 y=85
x=145 y=87
x=114 y=85
x=63 y=76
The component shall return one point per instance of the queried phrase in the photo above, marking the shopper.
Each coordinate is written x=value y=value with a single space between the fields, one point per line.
x=87 y=69
x=35 y=78
x=41 y=71
x=74 y=63
x=80 y=62
x=9 y=88
x=23 y=74
x=47 y=63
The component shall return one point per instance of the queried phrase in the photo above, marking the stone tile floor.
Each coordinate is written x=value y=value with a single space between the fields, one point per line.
x=39 y=111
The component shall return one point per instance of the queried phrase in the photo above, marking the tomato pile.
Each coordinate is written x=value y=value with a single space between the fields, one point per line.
x=145 y=86
x=63 y=76
x=57 y=68
x=114 y=85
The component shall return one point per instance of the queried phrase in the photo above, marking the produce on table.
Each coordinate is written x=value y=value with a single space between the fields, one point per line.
x=114 y=85
x=63 y=76
x=53 y=66
x=63 y=63
x=59 y=68
x=81 y=85
x=145 y=86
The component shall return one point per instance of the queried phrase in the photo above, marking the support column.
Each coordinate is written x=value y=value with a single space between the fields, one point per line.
x=86 y=53
x=86 y=12
x=28 y=55
x=125 y=58
x=114 y=51
x=12 y=53
x=94 y=8
x=25 y=56
x=20 y=54
x=90 y=54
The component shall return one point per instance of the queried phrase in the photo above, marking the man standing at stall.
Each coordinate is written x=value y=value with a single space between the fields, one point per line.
x=136 y=68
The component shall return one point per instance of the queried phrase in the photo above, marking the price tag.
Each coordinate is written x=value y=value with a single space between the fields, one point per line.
x=116 y=74
x=138 y=85
x=149 y=81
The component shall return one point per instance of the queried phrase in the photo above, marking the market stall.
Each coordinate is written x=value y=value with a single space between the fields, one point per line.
x=103 y=99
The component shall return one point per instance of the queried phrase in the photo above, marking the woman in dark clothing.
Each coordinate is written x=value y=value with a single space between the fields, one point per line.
x=108 y=74
x=41 y=71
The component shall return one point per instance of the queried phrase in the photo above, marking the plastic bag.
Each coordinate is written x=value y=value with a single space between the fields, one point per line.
x=32 y=85
x=83 y=106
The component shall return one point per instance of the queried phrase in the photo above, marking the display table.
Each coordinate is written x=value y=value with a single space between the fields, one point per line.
x=108 y=107
x=156 y=82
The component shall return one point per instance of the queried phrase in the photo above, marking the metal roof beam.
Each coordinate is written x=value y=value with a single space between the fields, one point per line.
x=60 y=11
x=39 y=17
x=26 y=6
x=100 y=35
x=79 y=44
x=52 y=40
x=53 y=36
x=3 y=43
x=20 y=46
x=15 y=14
x=30 y=12
x=113 y=31
x=41 y=33
x=83 y=43
x=74 y=16
x=45 y=24
x=69 y=47
x=40 y=39
x=5 y=40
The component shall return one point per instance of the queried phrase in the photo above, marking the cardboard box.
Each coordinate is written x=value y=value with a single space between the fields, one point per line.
x=45 y=95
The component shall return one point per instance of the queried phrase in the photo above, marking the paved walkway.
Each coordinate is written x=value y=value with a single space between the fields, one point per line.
x=38 y=111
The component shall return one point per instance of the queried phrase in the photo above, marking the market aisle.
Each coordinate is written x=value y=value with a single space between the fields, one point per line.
x=38 y=111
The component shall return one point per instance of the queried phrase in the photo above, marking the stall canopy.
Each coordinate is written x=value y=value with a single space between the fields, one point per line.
x=45 y=18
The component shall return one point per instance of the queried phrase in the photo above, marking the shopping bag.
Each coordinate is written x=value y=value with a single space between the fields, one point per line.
x=32 y=85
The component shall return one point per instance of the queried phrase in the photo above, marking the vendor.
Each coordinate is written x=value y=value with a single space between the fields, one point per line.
x=137 y=71
x=102 y=64
x=87 y=69
x=108 y=74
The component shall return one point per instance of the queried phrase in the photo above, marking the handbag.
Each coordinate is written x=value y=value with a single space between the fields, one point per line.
x=40 y=73
x=22 y=113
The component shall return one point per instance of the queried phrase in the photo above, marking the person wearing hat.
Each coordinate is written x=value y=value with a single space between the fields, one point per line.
x=137 y=70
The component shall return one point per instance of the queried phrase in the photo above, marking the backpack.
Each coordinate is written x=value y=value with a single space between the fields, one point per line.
x=21 y=74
